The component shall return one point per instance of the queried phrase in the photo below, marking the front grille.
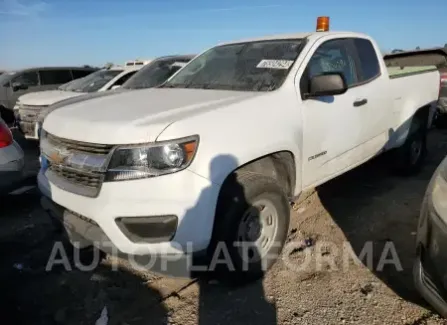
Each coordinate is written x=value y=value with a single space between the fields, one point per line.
x=31 y=107
x=88 y=179
x=92 y=148
x=27 y=128
x=28 y=115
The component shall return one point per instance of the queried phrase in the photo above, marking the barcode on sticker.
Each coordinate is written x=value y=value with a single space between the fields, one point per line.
x=275 y=64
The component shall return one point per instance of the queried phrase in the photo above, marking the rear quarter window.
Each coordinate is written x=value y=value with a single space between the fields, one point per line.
x=369 y=63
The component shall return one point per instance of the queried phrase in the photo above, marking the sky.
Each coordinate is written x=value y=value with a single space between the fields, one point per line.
x=75 y=32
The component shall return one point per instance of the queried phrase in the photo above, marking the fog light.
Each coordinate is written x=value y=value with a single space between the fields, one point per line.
x=148 y=229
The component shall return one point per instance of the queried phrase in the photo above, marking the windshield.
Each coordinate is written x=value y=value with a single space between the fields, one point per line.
x=251 y=66
x=92 y=82
x=155 y=73
x=69 y=84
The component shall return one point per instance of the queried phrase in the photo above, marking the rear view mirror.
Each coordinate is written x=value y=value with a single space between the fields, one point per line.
x=328 y=84
x=18 y=86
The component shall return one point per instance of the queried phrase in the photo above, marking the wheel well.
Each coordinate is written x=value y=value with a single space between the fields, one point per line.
x=278 y=165
x=423 y=114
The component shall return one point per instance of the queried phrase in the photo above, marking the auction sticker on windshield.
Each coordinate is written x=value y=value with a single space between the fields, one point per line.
x=275 y=64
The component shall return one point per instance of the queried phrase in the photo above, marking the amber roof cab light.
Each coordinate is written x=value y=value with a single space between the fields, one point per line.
x=323 y=24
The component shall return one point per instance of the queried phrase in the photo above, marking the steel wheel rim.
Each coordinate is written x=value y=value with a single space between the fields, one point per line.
x=257 y=230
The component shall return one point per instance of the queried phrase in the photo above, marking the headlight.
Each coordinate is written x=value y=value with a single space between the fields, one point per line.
x=160 y=158
x=439 y=191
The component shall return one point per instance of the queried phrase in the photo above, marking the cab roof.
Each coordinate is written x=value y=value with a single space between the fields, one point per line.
x=307 y=35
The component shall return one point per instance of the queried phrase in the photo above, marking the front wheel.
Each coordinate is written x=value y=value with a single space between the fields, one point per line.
x=252 y=221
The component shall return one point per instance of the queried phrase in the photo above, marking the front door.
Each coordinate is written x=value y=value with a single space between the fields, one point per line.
x=333 y=126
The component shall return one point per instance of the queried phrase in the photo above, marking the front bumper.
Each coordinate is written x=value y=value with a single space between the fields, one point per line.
x=189 y=197
x=26 y=120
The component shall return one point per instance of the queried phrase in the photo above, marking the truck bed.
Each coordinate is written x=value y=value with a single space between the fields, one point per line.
x=399 y=72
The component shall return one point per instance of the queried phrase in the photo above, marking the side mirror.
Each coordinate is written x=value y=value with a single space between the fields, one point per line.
x=328 y=84
x=115 y=87
x=18 y=86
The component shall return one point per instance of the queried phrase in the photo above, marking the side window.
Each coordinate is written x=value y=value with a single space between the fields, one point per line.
x=80 y=73
x=55 y=77
x=369 y=63
x=331 y=56
x=123 y=79
x=28 y=79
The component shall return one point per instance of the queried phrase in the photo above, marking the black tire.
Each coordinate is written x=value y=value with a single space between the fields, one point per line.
x=440 y=120
x=407 y=160
x=237 y=196
x=7 y=115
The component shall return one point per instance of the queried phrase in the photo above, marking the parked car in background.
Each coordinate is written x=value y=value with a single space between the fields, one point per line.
x=11 y=160
x=157 y=71
x=29 y=106
x=153 y=74
x=422 y=57
x=136 y=62
x=214 y=154
x=17 y=83
x=430 y=267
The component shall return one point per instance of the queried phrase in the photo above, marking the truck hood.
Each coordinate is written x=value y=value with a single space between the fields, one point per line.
x=46 y=98
x=136 y=116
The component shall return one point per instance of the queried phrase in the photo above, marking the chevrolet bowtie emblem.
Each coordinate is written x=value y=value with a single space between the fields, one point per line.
x=56 y=158
x=58 y=155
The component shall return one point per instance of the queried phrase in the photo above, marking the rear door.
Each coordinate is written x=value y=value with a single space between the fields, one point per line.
x=373 y=98
x=53 y=78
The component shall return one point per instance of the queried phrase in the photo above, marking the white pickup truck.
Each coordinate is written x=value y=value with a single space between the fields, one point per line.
x=29 y=106
x=215 y=154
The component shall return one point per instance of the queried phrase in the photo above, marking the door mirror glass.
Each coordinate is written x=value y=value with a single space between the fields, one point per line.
x=328 y=84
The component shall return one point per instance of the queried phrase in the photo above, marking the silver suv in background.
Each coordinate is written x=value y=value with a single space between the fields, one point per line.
x=29 y=106
x=153 y=74
x=17 y=83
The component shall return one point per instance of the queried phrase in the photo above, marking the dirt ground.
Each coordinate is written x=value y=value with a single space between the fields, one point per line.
x=368 y=209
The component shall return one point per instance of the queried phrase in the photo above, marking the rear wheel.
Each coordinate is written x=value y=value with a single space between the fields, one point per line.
x=440 y=119
x=252 y=221
x=409 y=158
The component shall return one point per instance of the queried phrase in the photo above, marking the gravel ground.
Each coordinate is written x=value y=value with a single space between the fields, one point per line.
x=367 y=208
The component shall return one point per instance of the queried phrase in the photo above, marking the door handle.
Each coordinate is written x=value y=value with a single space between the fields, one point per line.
x=360 y=102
